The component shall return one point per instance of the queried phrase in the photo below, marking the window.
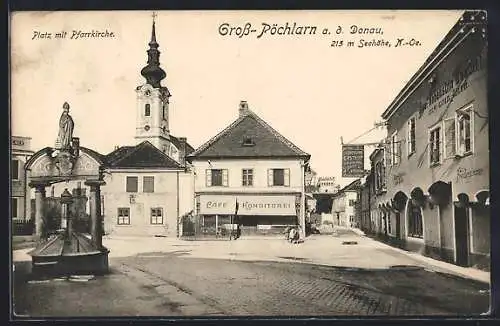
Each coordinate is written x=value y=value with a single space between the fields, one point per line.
x=247 y=177
x=148 y=184
x=248 y=142
x=132 y=184
x=157 y=215
x=278 y=177
x=379 y=176
x=352 y=202
x=14 y=208
x=124 y=216
x=415 y=224
x=435 y=146
x=411 y=136
x=164 y=112
x=147 y=110
x=15 y=169
x=395 y=152
x=217 y=178
x=464 y=127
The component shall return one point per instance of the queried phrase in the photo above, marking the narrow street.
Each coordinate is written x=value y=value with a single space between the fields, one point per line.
x=175 y=282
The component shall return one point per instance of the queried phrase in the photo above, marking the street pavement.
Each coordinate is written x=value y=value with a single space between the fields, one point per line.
x=253 y=277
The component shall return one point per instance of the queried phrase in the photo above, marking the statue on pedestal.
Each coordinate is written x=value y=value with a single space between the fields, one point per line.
x=66 y=126
x=64 y=156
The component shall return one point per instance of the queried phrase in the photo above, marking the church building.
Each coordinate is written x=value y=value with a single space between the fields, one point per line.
x=142 y=194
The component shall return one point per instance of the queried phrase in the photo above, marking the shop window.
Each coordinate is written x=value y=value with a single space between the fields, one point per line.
x=217 y=177
x=156 y=215
x=278 y=177
x=435 y=146
x=411 y=144
x=14 y=207
x=147 y=110
x=14 y=169
x=415 y=223
x=148 y=184
x=247 y=177
x=123 y=216
x=132 y=184
x=395 y=149
x=464 y=128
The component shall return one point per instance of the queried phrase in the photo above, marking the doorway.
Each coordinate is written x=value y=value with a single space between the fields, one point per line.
x=462 y=236
x=398 y=225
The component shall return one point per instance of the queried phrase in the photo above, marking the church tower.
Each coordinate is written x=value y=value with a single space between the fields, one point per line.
x=152 y=101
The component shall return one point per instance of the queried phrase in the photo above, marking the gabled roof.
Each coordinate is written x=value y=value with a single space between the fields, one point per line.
x=144 y=155
x=267 y=142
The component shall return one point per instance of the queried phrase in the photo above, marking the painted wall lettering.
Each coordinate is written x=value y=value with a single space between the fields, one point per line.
x=463 y=173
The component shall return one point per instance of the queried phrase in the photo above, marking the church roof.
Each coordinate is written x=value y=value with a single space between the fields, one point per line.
x=248 y=137
x=177 y=143
x=143 y=155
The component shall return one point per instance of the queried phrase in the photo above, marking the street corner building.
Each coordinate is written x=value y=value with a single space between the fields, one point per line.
x=429 y=186
x=20 y=201
x=140 y=193
x=250 y=175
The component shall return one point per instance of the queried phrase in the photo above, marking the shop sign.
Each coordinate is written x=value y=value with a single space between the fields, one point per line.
x=353 y=161
x=463 y=173
x=247 y=205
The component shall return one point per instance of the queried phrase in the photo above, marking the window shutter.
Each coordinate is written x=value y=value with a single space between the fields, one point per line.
x=208 y=174
x=286 y=173
x=387 y=154
x=449 y=137
x=224 y=178
x=270 y=177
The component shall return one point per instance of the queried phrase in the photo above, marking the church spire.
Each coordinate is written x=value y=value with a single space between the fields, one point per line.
x=153 y=72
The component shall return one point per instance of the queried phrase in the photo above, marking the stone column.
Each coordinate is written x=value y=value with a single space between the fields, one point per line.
x=95 y=211
x=40 y=223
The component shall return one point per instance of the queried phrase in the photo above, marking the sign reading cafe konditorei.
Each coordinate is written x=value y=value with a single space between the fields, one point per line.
x=247 y=205
x=353 y=161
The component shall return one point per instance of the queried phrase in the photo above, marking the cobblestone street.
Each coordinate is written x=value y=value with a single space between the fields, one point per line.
x=177 y=283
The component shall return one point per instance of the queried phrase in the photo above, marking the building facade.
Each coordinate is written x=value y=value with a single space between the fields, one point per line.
x=327 y=184
x=345 y=205
x=251 y=175
x=436 y=157
x=20 y=195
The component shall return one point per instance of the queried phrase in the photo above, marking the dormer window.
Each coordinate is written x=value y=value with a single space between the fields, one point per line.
x=248 y=142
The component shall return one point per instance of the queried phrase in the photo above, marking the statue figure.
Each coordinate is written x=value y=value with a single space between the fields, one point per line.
x=66 y=126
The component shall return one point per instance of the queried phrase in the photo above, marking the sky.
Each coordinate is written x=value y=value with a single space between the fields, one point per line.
x=309 y=91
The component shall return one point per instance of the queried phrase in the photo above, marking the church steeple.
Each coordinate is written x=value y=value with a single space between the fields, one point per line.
x=153 y=73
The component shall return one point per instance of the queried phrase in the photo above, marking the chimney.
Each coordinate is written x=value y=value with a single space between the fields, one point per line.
x=182 y=150
x=243 y=109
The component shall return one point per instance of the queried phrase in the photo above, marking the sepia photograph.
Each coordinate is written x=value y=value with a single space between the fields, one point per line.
x=307 y=163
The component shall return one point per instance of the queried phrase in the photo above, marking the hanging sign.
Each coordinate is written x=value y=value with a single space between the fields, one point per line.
x=353 y=161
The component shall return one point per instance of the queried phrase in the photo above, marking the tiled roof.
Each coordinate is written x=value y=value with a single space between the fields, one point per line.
x=144 y=155
x=267 y=142
x=177 y=143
